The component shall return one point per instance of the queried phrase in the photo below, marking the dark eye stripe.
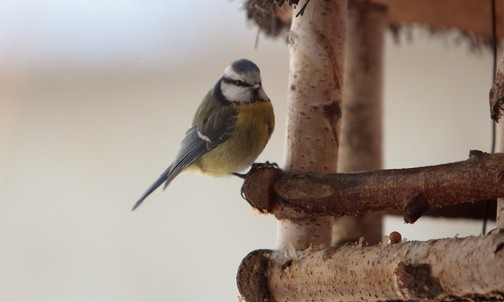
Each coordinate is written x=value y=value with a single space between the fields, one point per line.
x=236 y=82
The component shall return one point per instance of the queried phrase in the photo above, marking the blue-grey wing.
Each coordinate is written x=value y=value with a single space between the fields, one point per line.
x=213 y=122
x=209 y=130
x=191 y=149
x=215 y=119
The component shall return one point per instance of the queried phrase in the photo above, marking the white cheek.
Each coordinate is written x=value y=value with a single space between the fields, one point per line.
x=235 y=93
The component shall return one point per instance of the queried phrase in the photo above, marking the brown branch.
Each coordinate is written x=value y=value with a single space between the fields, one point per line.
x=446 y=269
x=414 y=190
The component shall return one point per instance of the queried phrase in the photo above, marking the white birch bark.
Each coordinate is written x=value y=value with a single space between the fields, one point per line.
x=316 y=44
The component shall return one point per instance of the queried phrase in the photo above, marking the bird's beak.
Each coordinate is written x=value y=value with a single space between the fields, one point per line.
x=261 y=95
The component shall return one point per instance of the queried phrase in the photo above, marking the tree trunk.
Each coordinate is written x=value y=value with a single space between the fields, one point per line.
x=316 y=44
x=361 y=129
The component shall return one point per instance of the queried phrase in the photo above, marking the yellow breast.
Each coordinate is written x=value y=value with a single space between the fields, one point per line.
x=254 y=125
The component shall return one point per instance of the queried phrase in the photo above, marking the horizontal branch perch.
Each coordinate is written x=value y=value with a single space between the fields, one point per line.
x=414 y=190
x=444 y=269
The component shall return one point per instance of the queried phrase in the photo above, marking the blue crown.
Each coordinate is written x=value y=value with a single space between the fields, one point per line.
x=244 y=66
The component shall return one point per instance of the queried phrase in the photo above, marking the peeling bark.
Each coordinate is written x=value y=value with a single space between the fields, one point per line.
x=497 y=93
x=415 y=190
x=316 y=43
x=445 y=269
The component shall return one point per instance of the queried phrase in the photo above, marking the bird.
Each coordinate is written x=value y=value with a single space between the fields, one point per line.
x=229 y=130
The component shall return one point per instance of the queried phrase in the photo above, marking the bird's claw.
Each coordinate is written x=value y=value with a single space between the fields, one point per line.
x=266 y=164
x=240 y=175
x=242 y=193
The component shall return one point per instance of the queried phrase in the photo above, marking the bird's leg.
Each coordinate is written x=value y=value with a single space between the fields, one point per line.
x=266 y=164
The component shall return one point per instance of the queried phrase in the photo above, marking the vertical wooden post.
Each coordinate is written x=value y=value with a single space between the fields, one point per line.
x=316 y=45
x=499 y=220
x=496 y=108
x=361 y=129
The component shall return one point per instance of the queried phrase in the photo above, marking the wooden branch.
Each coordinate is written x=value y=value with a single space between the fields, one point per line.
x=414 y=190
x=446 y=269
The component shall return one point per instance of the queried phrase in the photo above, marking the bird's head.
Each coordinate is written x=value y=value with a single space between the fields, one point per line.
x=241 y=83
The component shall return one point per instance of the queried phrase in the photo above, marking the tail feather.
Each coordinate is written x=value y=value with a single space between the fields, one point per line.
x=166 y=176
x=193 y=148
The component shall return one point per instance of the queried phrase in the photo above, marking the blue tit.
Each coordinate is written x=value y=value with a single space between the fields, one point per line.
x=229 y=130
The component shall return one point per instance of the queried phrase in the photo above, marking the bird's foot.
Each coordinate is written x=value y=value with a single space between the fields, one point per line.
x=255 y=166
x=266 y=164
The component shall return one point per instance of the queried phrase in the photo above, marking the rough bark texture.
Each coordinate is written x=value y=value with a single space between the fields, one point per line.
x=414 y=190
x=361 y=127
x=497 y=93
x=466 y=210
x=496 y=108
x=316 y=49
x=445 y=269
x=499 y=220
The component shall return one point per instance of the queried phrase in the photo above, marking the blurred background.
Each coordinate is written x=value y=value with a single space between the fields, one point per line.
x=95 y=97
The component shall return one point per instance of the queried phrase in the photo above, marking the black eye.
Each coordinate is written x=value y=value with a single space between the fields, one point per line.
x=236 y=82
x=240 y=83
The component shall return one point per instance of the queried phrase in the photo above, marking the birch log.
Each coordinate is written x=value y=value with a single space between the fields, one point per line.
x=361 y=127
x=445 y=269
x=316 y=42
